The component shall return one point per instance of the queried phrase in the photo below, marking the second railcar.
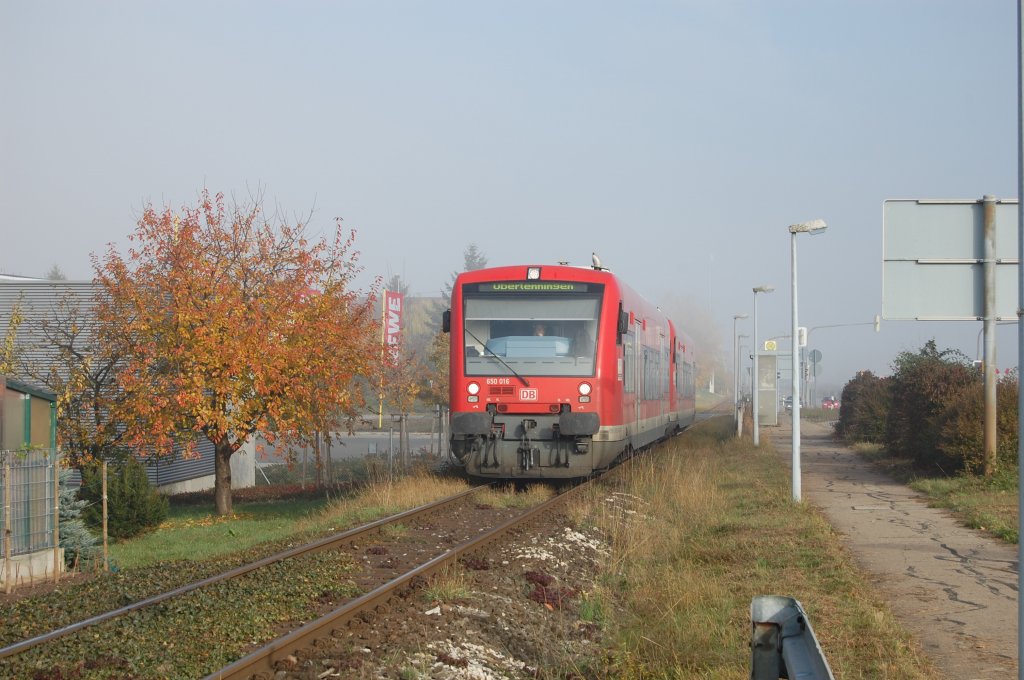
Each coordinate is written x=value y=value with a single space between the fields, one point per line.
x=557 y=371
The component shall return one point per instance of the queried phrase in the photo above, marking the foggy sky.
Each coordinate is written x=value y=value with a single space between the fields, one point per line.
x=676 y=139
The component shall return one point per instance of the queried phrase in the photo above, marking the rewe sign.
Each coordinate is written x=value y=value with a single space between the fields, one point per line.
x=392 y=318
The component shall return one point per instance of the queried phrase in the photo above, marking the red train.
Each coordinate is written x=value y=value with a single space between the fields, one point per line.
x=559 y=371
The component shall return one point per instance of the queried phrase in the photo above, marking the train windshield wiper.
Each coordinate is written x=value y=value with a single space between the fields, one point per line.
x=492 y=354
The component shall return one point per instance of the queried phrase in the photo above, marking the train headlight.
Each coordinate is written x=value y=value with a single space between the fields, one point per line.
x=585 y=388
x=473 y=388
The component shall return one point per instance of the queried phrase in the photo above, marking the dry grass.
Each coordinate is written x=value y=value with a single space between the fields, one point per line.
x=383 y=497
x=450 y=584
x=701 y=530
x=508 y=497
x=391 y=495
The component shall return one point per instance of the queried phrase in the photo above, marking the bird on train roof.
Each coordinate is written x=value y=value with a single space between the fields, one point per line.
x=596 y=260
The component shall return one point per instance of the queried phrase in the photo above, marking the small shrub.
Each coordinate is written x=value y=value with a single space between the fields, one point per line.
x=78 y=542
x=133 y=505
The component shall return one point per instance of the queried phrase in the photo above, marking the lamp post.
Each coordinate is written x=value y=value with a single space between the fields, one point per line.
x=753 y=378
x=812 y=227
x=736 y=374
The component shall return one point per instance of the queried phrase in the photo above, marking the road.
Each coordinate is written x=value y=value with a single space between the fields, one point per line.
x=954 y=588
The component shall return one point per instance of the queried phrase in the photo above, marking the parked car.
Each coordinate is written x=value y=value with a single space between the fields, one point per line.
x=830 y=403
x=787 y=403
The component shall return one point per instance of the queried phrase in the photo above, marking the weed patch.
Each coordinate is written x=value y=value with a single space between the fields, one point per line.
x=712 y=527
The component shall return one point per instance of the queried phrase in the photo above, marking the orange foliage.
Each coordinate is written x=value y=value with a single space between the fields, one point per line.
x=231 y=325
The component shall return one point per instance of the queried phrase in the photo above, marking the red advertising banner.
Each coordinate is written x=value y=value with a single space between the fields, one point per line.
x=393 y=302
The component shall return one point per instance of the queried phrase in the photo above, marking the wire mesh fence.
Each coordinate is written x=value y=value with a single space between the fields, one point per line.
x=27 y=501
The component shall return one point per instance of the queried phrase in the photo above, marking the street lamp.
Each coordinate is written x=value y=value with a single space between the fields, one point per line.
x=812 y=227
x=736 y=374
x=753 y=378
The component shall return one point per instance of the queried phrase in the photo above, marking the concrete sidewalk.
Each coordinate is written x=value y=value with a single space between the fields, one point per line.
x=952 y=587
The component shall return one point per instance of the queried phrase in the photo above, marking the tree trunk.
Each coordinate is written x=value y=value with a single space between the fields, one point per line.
x=222 y=478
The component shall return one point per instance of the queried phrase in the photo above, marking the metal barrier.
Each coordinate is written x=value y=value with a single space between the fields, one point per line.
x=782 y=643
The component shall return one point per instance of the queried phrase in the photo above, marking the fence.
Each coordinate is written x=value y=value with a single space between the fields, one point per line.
x=28 y=506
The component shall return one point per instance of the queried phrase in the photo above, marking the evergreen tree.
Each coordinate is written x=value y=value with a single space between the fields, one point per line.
x=473 y=259
x=133 y=506
x=56 y=274
x=78 y=542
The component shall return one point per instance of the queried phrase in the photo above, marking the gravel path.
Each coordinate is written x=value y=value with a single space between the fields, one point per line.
x=952 y=587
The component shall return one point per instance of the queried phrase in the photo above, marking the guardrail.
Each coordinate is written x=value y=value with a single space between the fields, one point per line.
x=782 y=643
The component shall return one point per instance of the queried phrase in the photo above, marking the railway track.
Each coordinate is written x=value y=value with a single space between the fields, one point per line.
x=390 y=556
x=285 y=651
x=381 y=552
x=329 y=543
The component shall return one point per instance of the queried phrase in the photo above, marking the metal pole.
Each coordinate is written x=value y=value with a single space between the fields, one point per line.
x=795 y=351
x=1020 y=324
x=754 y=379
x=989 y=272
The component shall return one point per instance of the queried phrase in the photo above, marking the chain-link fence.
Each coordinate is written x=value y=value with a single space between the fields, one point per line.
x=27 y=502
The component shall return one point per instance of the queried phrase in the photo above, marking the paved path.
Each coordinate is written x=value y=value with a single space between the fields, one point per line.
x=953 y=588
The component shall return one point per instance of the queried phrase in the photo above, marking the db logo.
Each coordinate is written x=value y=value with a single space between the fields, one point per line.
x=528 y=395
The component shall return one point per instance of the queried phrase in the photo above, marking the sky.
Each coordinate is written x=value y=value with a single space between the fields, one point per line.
x=678 y=140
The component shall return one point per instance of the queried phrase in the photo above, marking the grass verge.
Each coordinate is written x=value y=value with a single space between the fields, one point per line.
x=701 y=530
x=987 y=504
x=197 y=533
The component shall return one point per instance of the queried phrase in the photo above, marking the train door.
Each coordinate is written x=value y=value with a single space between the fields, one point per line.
x=638 y=372
x=662 y=380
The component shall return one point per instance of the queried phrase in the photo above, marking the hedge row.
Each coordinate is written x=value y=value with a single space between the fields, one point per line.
x=930 y=410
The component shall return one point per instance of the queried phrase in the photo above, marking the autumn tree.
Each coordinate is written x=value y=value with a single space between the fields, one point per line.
x=231 y=323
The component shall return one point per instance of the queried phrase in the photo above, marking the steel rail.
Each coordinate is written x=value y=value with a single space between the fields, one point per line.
x=263 y=659
x=327 y=543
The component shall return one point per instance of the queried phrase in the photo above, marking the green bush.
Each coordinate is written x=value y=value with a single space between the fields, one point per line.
x=962 y=437
x=927 y=389
x=931 y=410
x=133 y=506
x=864 y=408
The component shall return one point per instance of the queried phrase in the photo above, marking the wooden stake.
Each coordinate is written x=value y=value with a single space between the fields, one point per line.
x=7 y=526
x=106 y=558
x=56 y=521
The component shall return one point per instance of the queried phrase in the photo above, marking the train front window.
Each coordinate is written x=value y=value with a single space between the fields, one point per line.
x=532 y=328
